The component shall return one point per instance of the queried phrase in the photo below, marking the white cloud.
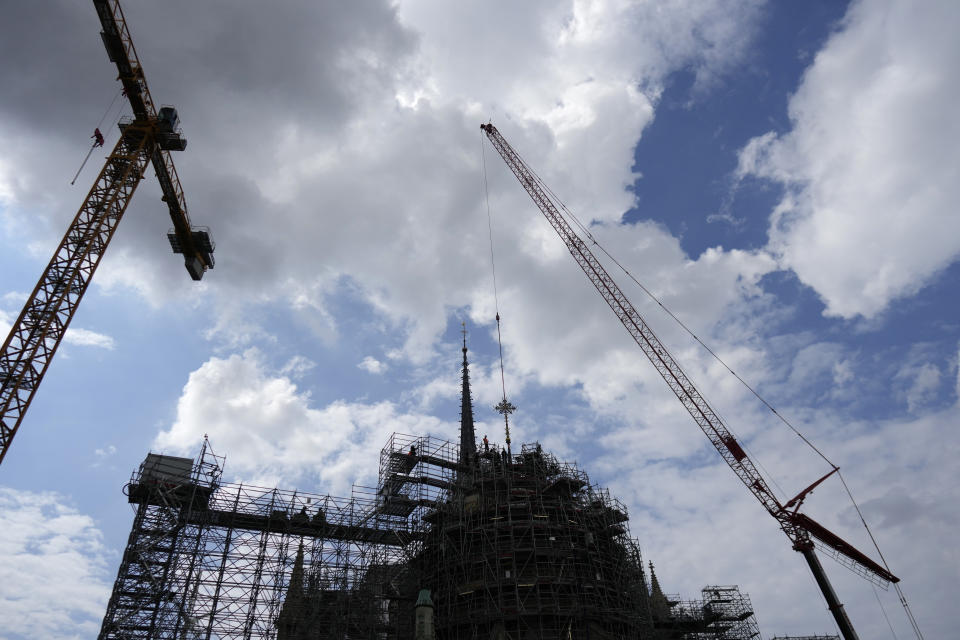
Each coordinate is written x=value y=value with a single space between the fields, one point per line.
x=6 y=322
x=366 y=185
x=351 y=189
x=87 y=338
x=15 y=297
x=102 y=454
x=700 y=525
x=6 y=183
x=54 y=571
x=273 y=434
x=549 y=302
x=372 y=365
x=297 y=366
x=923 y=384
x=956 y=364
x=842 y=373
x=870 y=165
x=75 y=335
x=11 y=300
x=693 y=517
x=105 y=452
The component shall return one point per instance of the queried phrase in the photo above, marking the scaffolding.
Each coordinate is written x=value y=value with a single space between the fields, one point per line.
x=722 y=612
x=495 y=545
x=510 y=547
x=525 y=547
x=207 y=559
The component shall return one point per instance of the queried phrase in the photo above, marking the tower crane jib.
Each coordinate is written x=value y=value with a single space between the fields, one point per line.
x=147 y=138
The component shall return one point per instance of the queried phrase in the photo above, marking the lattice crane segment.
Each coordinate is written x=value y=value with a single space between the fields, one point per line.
x=799 y=528
x=147 y=138
x=193 y=243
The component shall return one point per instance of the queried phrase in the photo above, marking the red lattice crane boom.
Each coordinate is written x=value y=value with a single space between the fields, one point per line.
x=145 y=139
x=802 y=530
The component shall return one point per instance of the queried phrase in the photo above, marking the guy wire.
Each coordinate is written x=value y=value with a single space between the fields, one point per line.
x=504 y=407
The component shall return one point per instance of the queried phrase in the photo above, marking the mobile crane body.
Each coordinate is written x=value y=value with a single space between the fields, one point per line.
x=802 y=530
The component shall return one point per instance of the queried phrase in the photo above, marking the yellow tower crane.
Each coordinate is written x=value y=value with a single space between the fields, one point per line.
x=148 y=137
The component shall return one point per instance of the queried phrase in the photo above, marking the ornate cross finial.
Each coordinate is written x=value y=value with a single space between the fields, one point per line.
x=505 y=408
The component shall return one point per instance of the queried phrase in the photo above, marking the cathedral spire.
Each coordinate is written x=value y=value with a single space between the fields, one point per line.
x=659 y=605
x=468 y=442
x=293 y=611
x=654 y=583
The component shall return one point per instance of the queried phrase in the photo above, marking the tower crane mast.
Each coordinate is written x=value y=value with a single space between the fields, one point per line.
x=146 y=138
x=802 y=530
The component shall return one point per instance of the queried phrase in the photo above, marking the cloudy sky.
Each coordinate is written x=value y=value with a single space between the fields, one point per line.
x=783 y=176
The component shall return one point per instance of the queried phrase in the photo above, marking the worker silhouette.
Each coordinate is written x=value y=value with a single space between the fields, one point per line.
x=97 y=137
x=486 y=445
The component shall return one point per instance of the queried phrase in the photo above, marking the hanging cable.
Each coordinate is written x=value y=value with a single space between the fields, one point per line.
x=563 y=221
x=903 y=598
x=753 y=456
x=84 y=163
x=112 y=102
x=504 y=408
x=717 y=357
x=586 y=231
x=97 y=136
x=486 y=193
x=906 y=608
x=117 y=115
x=884 y=612
x=575 y=221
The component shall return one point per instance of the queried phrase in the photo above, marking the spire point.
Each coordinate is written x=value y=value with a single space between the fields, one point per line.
x=468 y=444
x=658 y=601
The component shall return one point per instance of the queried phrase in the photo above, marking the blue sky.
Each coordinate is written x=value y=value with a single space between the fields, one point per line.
x=782 y=175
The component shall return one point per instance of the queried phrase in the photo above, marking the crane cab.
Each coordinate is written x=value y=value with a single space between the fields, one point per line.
x=169 y=118
x=168 y=134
